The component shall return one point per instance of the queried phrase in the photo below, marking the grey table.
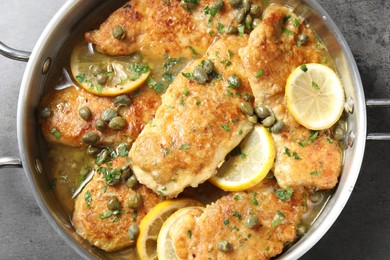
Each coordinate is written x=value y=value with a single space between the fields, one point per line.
x=361 y=232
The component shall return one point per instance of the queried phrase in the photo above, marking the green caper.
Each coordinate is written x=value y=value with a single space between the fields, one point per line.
x=133 y=231
x=268 y=121
x=277 y=127
x=136 y=58
x=232 y=30
x=121 y=109
x=234 y=81
x=256 y=22
x=302 y=39
x=92 y=150
x=246 y=108
x=251 y=221
x=339 y=134
x=108 y=114
x=315 y=197
x=85 y=112
x=134 y=201
x=187 y=5
x=235 y=3
x=301 y=230
x=240 y=15
x=208 y=66
x=119 y=32
x=122 y=100
x=90 y=138
x=117 y=123
x=132 y=182
x=255 y=10
x=200 y=75
x=224 y=246
x=252 y=119
x=262 y=112
x=248 y=20
x=96 y=70
x=102 y=78
x=125 y=173
x=113 y=203
x=45 y=112
x=246 y=4
x=100 y=125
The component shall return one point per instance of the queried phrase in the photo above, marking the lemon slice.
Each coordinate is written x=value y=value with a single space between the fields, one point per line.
x=165 y=247
x=105 y=75
x=151 y=224
x=315 y=96
x=252 y=163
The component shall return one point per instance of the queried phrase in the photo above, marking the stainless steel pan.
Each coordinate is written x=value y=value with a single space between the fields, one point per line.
x=61 y=27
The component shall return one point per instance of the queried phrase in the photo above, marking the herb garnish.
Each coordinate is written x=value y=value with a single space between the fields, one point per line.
x=56 y=133
x=279 y=220
x=284 y=194
x=237 y=215
x=259 y=73
x=315 y=85
x=185 y=147
x=304 y=68
x=214 y=9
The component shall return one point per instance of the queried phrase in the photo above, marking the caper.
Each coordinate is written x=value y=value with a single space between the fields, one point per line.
x=90 y=138
x=134 y=201
x=113 y=203
x=246 y=4
x=248 y=20
x=234 y=81
x=108 y=114
x=255 y=22
x=96 y=70
x=45 y=112
x=121 y=109
x=133 y=231
x=85 y=112
x=92 y=150
x=252 y=119
x=125 y=173
x=102 y=78
x=117 y=123
x=302 y=39
x=251 y=221
x=235 y=3
x=268 y=121
x=208 y=66
x=277 y=127
x=262 y=112
x=200 y=75
x=255 y=9
x=224 y=246
x=119 y=32
x=187 y=5
x=100 y=125
x=122 y=100
x=301 y=230
x=132 y=182
x=315 y=197
x=136 y=58
x=246 y=108
x=232 y=30
x=240 y=15
x=339 y=134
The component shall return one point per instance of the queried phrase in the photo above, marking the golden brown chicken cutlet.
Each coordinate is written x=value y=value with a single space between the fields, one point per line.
x=255 y=224
x=65 y=120
x=196 y=126
x=274 y=50
x=104 y=228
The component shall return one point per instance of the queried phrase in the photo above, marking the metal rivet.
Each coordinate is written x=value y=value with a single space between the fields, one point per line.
x=350 y=139
x=38 y=166
x=349 y=105
x=46 y=66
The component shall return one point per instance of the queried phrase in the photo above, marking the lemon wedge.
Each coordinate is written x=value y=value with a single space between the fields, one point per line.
x=151 y=224
x=255 y=157
x=315 y=96
x=165 y=247
x=104 y=75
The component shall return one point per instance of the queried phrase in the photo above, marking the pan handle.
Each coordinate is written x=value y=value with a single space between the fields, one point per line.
x=13 y=53
x=378 y=103
x=10 y=162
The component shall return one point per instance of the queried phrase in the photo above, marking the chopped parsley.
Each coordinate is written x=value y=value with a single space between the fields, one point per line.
x=111 y=176
x=220 y=28
x=80 y=78
x=259 y=73
x=138 y=69
x=304 y=68
x=187 y=75
x=88 y=198
x=284 y=194
x=230 y=53
x=316 y=173
x=189 y=233
x=110 y=213
x=314 y=85
x=229 y=93
x=197 y=102
x=279 y=219
x=237 y=197
x=241 y=30
x=196 y=54
x=159 y=87
x=99 y=88
x=287 y=151
x=56 y=133
x=237 y=215
x=226 y=221
x=214 y=9
x=313 y=136
x=185 y=147
x=254 y=201
x=225 y=127
x=287 y=31
x=296 y=22
x=135 y=214
x=296 y=156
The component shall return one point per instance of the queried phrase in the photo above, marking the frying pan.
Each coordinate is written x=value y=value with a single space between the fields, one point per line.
x=42 y=64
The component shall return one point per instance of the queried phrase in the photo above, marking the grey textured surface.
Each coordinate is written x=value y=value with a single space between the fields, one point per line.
x=361 y=232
